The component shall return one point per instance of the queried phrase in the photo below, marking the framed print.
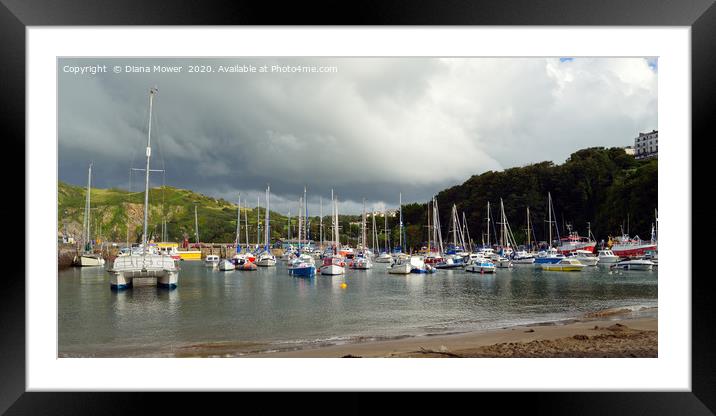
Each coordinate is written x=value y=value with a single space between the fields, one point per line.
x=238 y=208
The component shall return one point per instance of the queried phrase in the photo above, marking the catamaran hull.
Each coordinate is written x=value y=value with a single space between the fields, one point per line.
x=125 y=280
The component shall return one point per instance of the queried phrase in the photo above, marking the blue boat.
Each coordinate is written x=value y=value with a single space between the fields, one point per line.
x=550 y=256
x=307 y=270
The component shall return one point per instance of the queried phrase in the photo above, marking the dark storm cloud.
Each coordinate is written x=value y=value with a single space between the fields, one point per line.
x=377 y=127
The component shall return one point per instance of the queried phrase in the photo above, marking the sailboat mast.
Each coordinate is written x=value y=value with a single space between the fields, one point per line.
x=363 y=227
x=467 y=231
x=488 y=224
x=528 y=229
x=258 y=221
x=549 y=217
x=374 y=237
x=320 y=221
x=87 y=208
x=305 y=217
x=152 y=91
x=268 y=195
x=246 y=217
x=338 y=238
x=196 y=224
x=238 y=222
x=429 y=230
x=300 y=224
x=400 y=231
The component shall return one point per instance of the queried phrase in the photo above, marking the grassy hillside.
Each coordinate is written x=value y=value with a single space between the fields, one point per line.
x=117 y=214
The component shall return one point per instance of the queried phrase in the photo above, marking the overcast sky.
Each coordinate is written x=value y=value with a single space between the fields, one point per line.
x=372 y=129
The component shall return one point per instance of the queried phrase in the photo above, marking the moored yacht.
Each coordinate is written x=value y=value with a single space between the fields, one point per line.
x=607 y=256
x=585 y=257
x=634 y=264
x=149 y=262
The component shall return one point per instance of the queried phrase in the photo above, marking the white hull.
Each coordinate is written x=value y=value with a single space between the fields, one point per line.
x=608 y=259
x=361 y=265
x=476 y=268
x=635 y=265
x=153 y=266
x=266 y=262
x=226 y=265
x=405 y=268
x=332 y=270
x=85 y=261
x=503 y=263
x=380 y=259
x=588 y=261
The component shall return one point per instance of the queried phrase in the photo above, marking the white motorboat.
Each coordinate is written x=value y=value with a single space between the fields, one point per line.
x=607 y=256
x=634 y=264
x=480 y=265
x=565 y=265
x=400 y=266
x=503 y=262
x=211 y=260
x=266 y=259
x=523 y=257
x=226 y=265
x=149 y=262
x=585 y=257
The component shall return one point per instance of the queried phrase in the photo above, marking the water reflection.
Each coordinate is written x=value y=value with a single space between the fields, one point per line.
x=269 y=305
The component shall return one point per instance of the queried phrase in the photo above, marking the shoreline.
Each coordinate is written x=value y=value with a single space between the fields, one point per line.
x=616 y=332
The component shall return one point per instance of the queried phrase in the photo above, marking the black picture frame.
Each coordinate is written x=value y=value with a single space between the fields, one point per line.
x=16 y=15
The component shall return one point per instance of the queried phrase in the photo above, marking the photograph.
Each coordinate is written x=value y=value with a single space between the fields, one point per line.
x=357 y=207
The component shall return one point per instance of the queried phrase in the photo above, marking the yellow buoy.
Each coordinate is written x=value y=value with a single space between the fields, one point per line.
x=343 y=285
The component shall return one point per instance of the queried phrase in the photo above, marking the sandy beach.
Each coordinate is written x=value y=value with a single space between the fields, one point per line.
x=610 y=333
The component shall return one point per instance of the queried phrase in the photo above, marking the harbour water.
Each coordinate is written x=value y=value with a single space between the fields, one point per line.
x=268 y=310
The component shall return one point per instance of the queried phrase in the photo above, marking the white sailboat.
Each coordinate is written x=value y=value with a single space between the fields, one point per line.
x=334 y=264
x=148 y=262
x=362 y=260
x=384 y=256
x=88 y=258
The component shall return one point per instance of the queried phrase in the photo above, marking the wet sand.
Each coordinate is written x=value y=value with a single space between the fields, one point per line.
x=610 y=333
